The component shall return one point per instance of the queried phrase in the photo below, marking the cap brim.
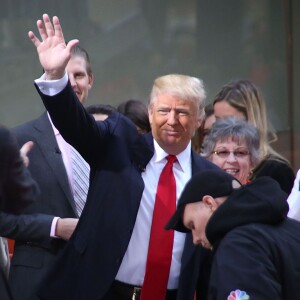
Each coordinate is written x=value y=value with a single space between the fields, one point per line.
x=176 y=221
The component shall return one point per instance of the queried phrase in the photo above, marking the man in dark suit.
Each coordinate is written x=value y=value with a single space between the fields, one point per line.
x=50 y=165
x=106 y=256
x=17 y=191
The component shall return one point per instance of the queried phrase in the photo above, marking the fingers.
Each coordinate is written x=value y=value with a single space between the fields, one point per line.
x=46 y=29
x=26 y=148
x=42 y=30
x=72 y=44
x=34 y=39
x=48 y=25
x=57 y=28
x=24 y=152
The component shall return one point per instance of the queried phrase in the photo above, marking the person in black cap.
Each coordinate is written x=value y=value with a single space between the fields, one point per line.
x=255 y=245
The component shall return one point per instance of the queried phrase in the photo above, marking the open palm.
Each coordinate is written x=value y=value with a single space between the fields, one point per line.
x=53 y=52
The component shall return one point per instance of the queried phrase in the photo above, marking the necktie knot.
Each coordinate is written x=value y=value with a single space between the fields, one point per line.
x=171 y=158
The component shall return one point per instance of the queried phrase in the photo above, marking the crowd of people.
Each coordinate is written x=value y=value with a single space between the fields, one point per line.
x=174 y=200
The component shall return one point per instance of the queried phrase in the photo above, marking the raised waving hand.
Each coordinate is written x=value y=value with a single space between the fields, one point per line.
x=53 y=52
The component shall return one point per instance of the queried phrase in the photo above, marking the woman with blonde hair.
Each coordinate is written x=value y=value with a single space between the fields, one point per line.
x=242 y=98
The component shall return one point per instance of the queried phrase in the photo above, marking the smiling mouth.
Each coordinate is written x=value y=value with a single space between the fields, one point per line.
x=232 y=171
x=169 y=132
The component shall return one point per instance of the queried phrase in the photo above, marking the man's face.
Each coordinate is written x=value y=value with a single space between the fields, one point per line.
x=196 y=216
x=173 y=122
x=80 y=80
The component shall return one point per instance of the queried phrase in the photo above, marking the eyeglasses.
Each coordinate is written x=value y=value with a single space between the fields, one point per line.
x=226 y=153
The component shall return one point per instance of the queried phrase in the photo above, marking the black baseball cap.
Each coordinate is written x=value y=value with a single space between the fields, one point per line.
x=215 y=183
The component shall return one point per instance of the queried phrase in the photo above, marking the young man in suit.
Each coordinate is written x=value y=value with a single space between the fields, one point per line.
x=52 y=167
x=106 y=257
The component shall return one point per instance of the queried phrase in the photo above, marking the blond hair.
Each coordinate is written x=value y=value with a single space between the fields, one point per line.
x=245 y=97
x=182 y=86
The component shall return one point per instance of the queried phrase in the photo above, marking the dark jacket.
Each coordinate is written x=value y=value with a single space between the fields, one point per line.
x=17 y=191
x=256 y=247
x=280 y=171
x=35 y=251
x=17 y=188
x=117 y=155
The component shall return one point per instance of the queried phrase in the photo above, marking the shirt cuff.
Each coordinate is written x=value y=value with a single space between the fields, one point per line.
x=51 y=87
x=53 y=228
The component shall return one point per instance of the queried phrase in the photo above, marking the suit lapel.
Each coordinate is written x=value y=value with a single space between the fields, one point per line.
x=46 y=141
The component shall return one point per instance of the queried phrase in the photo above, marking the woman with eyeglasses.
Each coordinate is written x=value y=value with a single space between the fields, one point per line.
x=233 y=145
x=243 y=99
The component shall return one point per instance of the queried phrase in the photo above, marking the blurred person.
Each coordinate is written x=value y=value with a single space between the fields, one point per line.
x=233 y=145
x=4 y=247
x=4 y=256
x=209 y=119
x=137 y=112
x=100 y=111
x=52 y=166
x=255 y=245
x=17 y=191
x=107 y=256
x=243 y=99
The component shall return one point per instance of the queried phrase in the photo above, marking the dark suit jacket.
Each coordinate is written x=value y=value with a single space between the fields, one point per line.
x=117 y=155
x=17 y=191
x=35 y=250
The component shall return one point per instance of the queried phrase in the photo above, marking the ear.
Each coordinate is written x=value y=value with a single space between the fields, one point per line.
x=210 y=202
x=199 y=122
x=150 y=113
x=91 y=80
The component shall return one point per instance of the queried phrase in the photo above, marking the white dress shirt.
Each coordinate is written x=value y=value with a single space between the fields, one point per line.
x=132 y=269
x=64 y=150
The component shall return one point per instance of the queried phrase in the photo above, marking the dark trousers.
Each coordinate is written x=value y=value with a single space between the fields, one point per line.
x=5 y=293
x=124 y=291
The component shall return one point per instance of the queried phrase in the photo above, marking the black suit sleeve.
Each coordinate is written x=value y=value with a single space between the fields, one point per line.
x=26 y=228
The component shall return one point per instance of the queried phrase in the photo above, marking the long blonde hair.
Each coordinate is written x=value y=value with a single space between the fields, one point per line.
x=245 y=97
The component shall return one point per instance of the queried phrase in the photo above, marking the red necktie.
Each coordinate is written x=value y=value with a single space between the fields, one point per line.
x=161 y=241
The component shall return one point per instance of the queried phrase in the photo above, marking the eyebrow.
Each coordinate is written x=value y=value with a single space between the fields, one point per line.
x=176 y=109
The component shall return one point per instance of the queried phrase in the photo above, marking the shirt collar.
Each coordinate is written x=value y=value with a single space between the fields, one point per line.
x=183 y=157
x=56 y=132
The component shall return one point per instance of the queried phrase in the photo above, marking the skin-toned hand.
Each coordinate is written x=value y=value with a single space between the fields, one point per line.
x=26 y=148
x=53 y=52
x=65 y=228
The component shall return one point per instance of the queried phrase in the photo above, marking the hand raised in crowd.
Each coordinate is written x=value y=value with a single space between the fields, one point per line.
x=53 y=52
x=25 y=149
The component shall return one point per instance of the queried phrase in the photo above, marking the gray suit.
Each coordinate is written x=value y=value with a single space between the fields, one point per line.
x=35 y=250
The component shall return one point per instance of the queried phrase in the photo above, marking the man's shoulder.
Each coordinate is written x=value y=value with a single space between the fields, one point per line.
x=202 y=163
x=29 y=127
